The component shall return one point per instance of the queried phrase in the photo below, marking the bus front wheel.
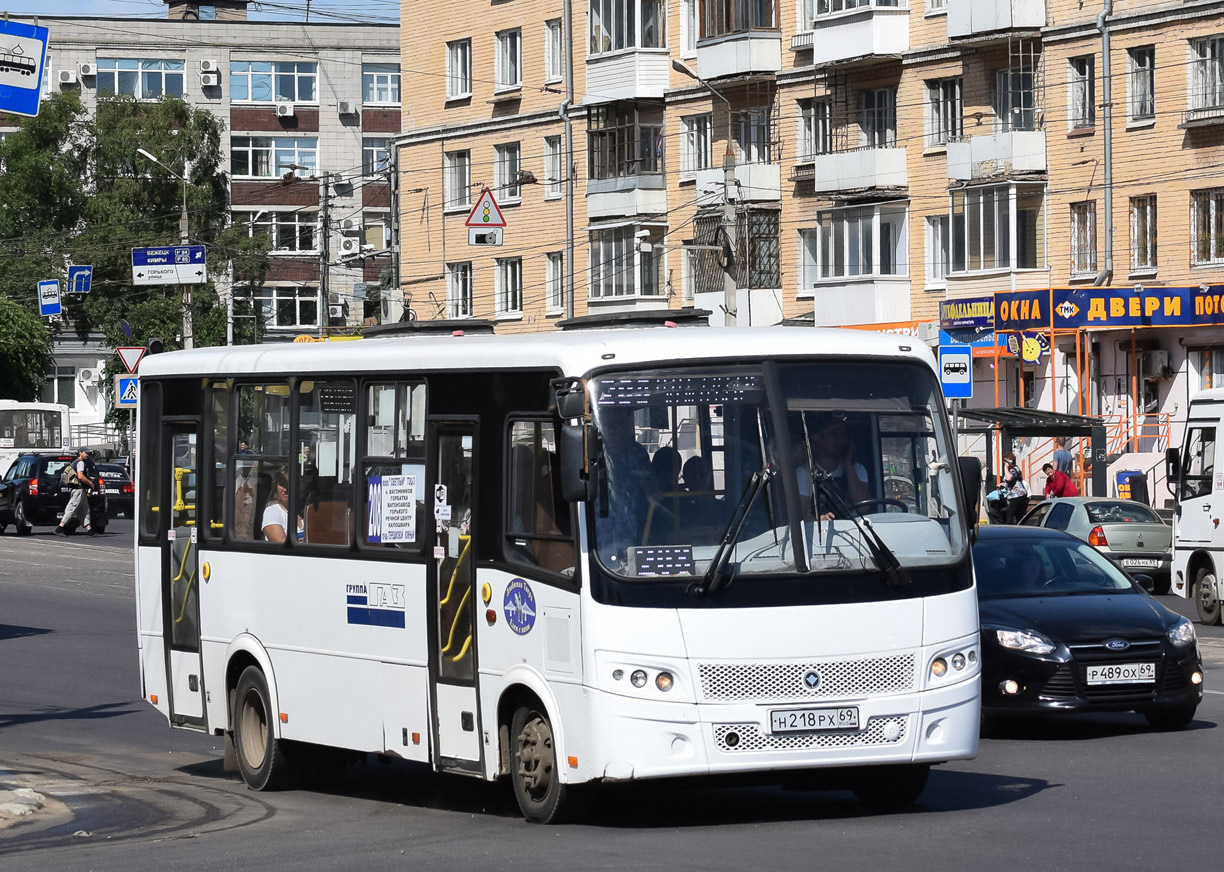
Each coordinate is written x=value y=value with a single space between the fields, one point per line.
x=261 y=756
x=533 y=767
x=890 y=787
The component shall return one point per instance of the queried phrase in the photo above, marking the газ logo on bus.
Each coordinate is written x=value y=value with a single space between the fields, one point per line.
x=376 y=605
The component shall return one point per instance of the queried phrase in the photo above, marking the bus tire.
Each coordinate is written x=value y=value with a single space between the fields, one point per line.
x=882 y=788
x=1206 y=597
x=261 y=756
x=533 y=767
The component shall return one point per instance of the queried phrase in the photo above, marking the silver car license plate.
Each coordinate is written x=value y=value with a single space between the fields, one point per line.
x=1122 y=673
x=813 y=720
x=1140 y=563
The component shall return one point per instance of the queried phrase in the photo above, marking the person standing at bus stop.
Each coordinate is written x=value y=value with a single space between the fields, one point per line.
x=77 y=510
x=1017 y=490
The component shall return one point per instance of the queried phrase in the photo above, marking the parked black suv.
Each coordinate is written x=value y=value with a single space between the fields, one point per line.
x=31 y=494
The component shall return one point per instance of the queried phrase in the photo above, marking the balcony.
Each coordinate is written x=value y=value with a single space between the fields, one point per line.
x=970 y=18
x=999 y=154
x=862 y=301
x=878 y=29
x=738 y=37
x=627 y=75
x=756 y=182
x=626 y=196
x=859 y=169
x=1202 y=116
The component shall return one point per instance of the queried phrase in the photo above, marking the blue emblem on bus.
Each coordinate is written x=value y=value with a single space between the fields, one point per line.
x=520 y=607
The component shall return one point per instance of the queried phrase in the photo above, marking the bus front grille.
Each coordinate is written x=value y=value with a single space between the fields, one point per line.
x=780 y=682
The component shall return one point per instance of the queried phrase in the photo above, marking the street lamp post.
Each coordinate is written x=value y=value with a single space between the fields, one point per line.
x=188 y=339
x=730 y=285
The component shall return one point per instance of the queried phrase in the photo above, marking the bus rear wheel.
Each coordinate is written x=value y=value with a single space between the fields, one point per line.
x=261 y=756
x=1206 y=597
x=533 y=767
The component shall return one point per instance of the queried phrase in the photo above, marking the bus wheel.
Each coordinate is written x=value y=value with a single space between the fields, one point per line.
x=261 y=756
x=1206 y=597
x=533 y=767
x=889 y=787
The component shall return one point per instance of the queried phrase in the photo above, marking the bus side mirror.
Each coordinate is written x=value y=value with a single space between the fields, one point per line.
x=971 y=487
x=1173 y=464
x=577 y=466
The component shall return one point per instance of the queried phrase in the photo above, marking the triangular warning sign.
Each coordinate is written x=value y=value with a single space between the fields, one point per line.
x=131 y=391
x=486 y=213
x=131 y=355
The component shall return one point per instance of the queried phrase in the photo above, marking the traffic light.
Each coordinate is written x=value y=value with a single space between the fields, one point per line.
x=156 y=346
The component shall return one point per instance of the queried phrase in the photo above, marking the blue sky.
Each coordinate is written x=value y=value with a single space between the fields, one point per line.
x=369 y=10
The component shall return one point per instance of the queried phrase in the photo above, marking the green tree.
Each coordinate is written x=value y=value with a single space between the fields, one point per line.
x=25 y=352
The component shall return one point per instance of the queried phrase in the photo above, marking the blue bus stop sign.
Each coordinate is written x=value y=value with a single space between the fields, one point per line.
x=956 y=371
x=49 y=298
x=23 y=55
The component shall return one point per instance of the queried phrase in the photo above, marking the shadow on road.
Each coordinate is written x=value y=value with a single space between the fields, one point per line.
x=1075 y=728
x=12 y=631
x=89 y=713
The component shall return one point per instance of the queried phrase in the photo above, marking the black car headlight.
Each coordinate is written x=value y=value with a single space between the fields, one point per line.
x=1181 y=633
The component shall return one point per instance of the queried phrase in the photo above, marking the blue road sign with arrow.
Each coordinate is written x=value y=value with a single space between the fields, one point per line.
x=23 y=55
x=80 y=279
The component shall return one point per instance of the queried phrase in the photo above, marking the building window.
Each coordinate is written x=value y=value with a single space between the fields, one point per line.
x=1083 y=239
x=1207 y=223
x=510 y=286
x=554 y=51
x=614 y=25
x=938 y=251
x=879 y=119
x=294 y=232
x=459 y=290
x=1207 y=73
x=688 y=28
x=944 y=111
x=380 y=84
x=936 y=5
x=815 y=129
x=375 y=157
x=553 y=176
x=457 y=192
x=754 y=135
x=806 y=10
x=1143 y=233
x=981 y=230
x=287 y=306
x=721 y=17
x=758 y=249
x=695 y=147
x=654 y=24
x=624 y=139
x=624 y=264
x=267 y=157
x=509 y=74
x=376 y=230
x=859 y=242
x=1142 y=83
x=60 y=386
x=458 y=69
x=506 y=171
x=1015 y=99
x=554 y=281
x=1081 y=96
x=139 y=78
x=277 y=81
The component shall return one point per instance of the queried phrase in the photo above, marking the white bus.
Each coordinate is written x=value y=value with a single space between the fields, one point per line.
x=1195 y=471
x=562 y=559
x=26 y=427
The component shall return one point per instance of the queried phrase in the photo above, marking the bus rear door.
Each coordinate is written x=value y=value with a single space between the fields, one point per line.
x=181 y=573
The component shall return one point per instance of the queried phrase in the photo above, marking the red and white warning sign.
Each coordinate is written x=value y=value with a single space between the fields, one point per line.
x=130 y=355
x=486 y=213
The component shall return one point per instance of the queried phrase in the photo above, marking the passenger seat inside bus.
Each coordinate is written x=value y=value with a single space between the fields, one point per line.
x=328 y=523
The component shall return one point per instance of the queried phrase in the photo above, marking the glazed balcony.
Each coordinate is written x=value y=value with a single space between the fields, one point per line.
x=971 y=18
x=738 y=37
x=627 y=55
x=997 y=154
x=863 y=31
x=859 y=169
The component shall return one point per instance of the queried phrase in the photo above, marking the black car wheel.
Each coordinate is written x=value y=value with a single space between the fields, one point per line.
x=1205 y=597
x=1171 y=718
x=24 y=527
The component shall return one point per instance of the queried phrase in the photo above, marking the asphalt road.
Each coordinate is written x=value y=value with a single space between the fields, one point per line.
x=127 y=793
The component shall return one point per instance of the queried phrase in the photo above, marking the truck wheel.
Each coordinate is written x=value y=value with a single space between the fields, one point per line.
x=1206 y=597
x=533 y=767
x=261 y=756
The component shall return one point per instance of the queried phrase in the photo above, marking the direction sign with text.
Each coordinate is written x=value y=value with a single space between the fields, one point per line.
x=49 y=298
x=23 y=55
x=169 y=265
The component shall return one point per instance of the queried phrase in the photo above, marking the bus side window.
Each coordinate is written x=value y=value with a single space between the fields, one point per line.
x=393 y=468
x=326 y=458
x=537 y=519
x=263 y=424
x=215 y=452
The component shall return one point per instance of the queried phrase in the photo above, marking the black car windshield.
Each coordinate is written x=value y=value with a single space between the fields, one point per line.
x=833 y=440
x=1120 y=513
x=1044 y=567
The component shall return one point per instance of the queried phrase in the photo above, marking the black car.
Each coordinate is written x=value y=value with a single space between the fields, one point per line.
x=118 y=487
x=1065 y=630
x=31 y=494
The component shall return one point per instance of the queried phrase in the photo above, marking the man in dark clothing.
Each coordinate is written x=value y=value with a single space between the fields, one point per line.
x=77 y=509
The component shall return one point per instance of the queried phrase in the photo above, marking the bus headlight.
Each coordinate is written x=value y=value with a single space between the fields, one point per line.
x=638 y=678
x=664 y=681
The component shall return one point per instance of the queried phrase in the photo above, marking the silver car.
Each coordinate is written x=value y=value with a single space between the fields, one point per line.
x=1128 y=533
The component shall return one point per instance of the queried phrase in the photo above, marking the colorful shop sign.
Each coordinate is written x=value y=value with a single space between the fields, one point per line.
x=976 y=313
x=1072 y=308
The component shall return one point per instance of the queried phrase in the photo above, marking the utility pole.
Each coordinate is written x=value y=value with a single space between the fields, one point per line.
x=188 y=333
x=567 y=22
x=395 y=225
x=324 y=252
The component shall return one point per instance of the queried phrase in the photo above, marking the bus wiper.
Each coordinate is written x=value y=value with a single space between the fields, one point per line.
x=891 y=570
x=717 y=575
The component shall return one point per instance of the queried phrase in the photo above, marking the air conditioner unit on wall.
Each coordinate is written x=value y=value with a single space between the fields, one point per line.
x=86 y=70
x=348 y=107
x=85 y=375
x=209 y=66
x=348 y=224
x=210 y=80
x=67 y=77
x=350 y=245
x=284 y=110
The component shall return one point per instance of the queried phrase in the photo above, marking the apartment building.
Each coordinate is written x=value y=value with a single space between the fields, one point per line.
x=309 y=113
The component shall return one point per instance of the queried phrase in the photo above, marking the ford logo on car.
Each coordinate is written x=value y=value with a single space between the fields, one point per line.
x=1117 y=644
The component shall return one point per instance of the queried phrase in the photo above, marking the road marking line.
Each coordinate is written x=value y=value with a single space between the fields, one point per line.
x=1219 y=692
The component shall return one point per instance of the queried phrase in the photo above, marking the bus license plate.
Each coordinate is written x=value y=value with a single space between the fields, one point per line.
x=1122 y=673
x=813 y=720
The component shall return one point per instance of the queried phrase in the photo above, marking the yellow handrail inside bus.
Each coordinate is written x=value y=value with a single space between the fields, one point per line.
x=186 y=595
x=182 y=564
x=467 y=544
x=450 y=640
x=467 y=646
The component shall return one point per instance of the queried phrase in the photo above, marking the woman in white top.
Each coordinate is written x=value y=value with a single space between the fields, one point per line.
x=276 y=514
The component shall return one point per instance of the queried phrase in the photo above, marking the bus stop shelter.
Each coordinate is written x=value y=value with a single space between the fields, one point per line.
x=1012 y=422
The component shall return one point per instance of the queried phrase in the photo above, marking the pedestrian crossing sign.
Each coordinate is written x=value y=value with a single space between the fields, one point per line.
x=127 y=391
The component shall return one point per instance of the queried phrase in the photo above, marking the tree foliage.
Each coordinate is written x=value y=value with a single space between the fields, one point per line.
x=25 y=352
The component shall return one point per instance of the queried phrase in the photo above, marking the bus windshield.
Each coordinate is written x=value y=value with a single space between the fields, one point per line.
x=848 y=449
x=31 y=429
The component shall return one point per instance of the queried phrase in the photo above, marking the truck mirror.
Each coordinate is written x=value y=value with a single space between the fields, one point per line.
x=1173 y=464
x=577 y=466
x=971 y=489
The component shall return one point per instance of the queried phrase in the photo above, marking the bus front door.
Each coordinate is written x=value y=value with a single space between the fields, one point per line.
x=453 y=596
x=181 y=575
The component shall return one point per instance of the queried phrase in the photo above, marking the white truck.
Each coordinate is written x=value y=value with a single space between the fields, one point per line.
x=1196 y=470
